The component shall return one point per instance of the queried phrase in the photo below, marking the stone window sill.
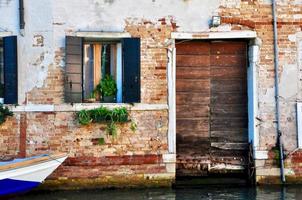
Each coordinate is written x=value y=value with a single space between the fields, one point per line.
x=80 y=106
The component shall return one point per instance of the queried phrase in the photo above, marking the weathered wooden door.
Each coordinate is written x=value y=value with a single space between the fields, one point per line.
x=211 y=107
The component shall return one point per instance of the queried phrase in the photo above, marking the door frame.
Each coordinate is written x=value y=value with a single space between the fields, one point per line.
x=253 y=58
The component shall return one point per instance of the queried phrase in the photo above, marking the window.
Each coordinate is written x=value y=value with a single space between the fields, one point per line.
x=8 y=70
x=101 y=59
x=89 y=62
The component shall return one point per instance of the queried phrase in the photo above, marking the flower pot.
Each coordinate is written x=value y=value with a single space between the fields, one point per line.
x=1 y=100
x=90 y=100
x=108 y=99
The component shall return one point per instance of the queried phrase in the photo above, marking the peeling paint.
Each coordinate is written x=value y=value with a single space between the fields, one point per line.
x=288 y=85
x=39 y=59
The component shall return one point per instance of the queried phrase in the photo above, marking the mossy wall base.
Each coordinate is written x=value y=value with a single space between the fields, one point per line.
x=133 y=181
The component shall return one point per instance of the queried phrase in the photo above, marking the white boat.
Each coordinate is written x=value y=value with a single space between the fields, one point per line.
x=21 y=175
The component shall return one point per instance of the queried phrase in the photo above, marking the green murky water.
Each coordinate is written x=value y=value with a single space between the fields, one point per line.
x=203 y=192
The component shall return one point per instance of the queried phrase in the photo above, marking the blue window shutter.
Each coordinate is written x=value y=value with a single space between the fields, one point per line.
x=10 y=70
x=73 y=69
x=131 y=70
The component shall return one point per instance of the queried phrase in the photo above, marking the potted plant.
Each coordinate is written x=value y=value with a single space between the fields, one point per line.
x=1 y=93
x=107 y=88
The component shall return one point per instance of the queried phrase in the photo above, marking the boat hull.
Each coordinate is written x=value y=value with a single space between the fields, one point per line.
x=21 y=177
x=11 y=187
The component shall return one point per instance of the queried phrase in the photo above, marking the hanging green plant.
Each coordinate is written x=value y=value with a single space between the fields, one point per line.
x=4 y=113
x=119 y=115
x=99 y=115
x=133 y=126
x=104 y=115
x=111 y=129
x=84 y=117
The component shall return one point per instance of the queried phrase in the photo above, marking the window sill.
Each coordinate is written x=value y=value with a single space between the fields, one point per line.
x=80 y=106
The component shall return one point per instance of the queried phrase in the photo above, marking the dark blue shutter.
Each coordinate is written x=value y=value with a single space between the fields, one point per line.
x=131 y=70
x=73 y=69
x=10 y=70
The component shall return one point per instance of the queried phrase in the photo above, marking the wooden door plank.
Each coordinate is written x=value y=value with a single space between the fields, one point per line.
x=200 y=124
x=189 y=111
x=218 y=87
x=192 y=73
x=228 y=60
x=230 y=98
x=192 y=98
x=230 y=146
x=233 y=72
x=192 y=61
x=202 y=86
x=227 y=124
x=229 y=48
x=193 y=48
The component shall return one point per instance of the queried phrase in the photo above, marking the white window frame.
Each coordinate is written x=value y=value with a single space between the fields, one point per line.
x=299 y=124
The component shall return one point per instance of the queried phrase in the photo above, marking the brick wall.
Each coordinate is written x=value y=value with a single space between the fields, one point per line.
x=293 y=164
x=153 y=57
x=139 y=154
x=154 y=60
x=9 y=137
x=257 y=15
x=57 y=131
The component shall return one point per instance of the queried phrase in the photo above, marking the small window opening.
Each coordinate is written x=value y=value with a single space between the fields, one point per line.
x=101 y=60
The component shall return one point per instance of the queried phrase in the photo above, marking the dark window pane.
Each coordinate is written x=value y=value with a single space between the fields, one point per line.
x=131 y=69
x=1 y=69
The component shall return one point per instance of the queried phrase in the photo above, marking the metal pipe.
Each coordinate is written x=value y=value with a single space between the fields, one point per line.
x=276 y=63
x=21 y=16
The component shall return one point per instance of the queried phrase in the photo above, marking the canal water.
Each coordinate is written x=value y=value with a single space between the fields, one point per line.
x=204 y=192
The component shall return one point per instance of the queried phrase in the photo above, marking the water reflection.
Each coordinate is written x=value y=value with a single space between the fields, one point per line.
x=204 y=192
